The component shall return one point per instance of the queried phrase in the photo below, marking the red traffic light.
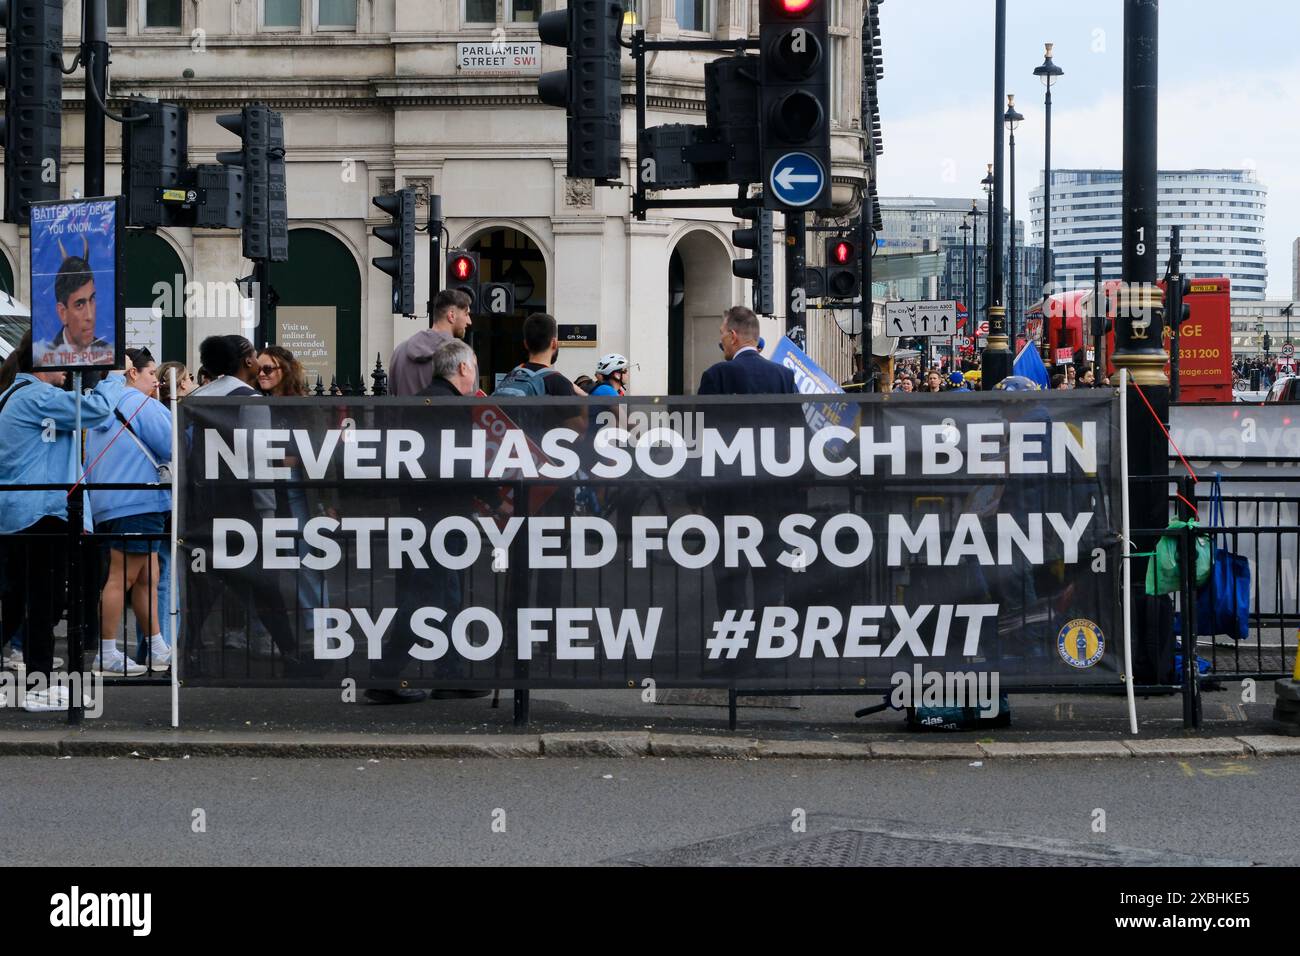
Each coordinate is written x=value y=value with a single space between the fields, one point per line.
x=462 y=267
x=842 y=252
x=791 y=7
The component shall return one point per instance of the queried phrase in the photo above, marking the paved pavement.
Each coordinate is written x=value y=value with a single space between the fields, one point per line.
x=1034 y=717
x=236 y=811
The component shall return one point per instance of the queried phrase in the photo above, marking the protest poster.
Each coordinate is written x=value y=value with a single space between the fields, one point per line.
x=709 y=541
x=78 y=303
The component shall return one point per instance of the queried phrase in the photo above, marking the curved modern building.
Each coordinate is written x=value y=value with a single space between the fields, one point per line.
x=1221 y=212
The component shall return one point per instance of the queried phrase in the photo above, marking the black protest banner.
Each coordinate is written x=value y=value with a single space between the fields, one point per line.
x=691 y=541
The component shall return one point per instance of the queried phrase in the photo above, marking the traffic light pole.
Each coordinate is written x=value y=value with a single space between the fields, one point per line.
x=796 y=259
x=435 y=250
x=1174 y=310
x=264 y=334
x=94 y=52
x=864 y=257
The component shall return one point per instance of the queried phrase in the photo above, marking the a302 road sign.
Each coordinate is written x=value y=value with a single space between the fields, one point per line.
x=911 y=319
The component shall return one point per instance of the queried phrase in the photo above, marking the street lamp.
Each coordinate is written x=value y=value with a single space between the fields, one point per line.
x=967 y=281
x=974 y=267
x=1013 y=119
x=1048 y=72
x=987 y=183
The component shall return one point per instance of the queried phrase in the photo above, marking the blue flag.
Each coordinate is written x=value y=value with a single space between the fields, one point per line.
x=1030 y=364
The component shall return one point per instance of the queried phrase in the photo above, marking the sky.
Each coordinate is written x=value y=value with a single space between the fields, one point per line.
x=1229 y=97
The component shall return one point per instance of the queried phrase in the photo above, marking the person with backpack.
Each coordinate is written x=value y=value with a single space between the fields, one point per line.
x=133 y=447
x=538 y=377
x=38 y=422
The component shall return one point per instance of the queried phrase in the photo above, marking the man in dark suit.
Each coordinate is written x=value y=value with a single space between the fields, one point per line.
x=745 y=371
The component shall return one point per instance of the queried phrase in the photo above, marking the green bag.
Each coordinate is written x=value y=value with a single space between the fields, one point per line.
x=1164 y=573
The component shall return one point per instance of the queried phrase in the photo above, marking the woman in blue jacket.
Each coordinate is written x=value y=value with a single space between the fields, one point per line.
x=37 y=424
x=127 y=449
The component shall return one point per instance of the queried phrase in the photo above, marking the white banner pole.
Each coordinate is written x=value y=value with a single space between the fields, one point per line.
x=173 y=598
x=1125 y=549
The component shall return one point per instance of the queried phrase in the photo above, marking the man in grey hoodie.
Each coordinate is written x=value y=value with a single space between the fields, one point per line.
x=410 y=370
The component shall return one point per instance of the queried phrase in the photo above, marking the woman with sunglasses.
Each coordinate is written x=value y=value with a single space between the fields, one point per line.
x=279 y=374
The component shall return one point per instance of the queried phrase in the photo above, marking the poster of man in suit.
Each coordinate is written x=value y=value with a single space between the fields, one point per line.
x=77 y=317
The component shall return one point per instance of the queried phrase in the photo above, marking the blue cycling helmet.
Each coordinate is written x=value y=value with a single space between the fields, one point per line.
x=1017 y=383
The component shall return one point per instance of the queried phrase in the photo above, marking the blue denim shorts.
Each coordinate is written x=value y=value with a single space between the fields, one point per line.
x=155 y=523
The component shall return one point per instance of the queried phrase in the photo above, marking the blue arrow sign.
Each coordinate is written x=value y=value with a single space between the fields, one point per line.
x=797 y=179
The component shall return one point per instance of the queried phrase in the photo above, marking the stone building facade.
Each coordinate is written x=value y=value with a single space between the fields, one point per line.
x=381 y=94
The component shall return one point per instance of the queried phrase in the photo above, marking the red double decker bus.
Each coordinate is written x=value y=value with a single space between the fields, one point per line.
x=1205 y=338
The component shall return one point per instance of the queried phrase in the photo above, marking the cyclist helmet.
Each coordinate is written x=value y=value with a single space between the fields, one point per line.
x=1017 y=383
x=610 y=364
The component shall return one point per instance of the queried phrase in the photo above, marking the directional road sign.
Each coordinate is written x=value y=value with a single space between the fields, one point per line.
x=797 y=180
x=910 y=319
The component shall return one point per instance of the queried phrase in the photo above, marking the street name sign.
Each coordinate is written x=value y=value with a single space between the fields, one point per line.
x=911 y=319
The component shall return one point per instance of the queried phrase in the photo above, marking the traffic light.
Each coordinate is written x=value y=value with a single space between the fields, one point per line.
x=462 y=275
x=154 y=158
x=1179 y=311
x=401 y=236
x=758 y=267
x=32 y=74
x=498 y=298
x=794 y=103
x=731 y=112
x=843 y=278
x=261 y=156
x=588 y=89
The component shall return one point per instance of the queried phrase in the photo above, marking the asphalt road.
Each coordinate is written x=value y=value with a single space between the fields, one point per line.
x=85 y=812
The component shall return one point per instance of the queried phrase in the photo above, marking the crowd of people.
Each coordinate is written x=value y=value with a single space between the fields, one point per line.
x=126 y=423
x=909 y=377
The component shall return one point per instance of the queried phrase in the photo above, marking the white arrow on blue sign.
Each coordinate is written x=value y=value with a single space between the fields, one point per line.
x=797 y=179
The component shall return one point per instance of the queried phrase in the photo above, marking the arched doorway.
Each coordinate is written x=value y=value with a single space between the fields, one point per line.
x=318 y=317
x=155 y=283
x=506 y=255
x=699 y=291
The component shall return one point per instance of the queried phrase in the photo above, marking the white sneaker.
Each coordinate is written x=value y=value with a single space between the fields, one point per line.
x=15 y=662
x=43 y=701
x=51 y=699
x=116 y=664
x=160 y=655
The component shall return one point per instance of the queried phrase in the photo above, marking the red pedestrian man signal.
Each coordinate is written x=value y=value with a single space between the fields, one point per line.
x=795 y=6
x=462 y=268
x=842 y=253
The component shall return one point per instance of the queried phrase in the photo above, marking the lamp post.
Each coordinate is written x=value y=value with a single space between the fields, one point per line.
x=997 y=354
x=1139 y=341
x=1048 y=72
x=967 y=281
x=987 y=183
x=1013 y=119
x=974 y=266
